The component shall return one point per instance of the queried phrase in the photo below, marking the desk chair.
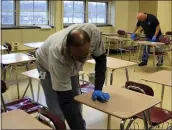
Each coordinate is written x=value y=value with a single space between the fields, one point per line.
x=28 y=105
x=130 y=48
x=157 y=115
x=8 y=46
x=50 y=119
x=165 y=50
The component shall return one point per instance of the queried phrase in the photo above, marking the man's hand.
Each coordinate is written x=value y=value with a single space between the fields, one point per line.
x=100 y=96
x=154 y=39
x=133 y=36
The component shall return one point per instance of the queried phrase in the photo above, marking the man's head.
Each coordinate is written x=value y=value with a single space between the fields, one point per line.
x=78 y=44
x=141 y=17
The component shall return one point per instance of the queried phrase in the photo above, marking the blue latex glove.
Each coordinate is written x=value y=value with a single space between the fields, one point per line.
x=100 y=96
x=133 y=36
x=154 y=39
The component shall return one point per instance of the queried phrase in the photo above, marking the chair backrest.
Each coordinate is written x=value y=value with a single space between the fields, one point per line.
x=3 y=87
x=138 y=87
x=169 y=33
x=122 y=33
x=57 y=122
x=8 y=46
x=165 y=40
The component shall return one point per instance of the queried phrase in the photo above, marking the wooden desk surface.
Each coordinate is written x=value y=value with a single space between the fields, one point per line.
x=114 y=63
x=118 y=38
x=3 y=48
x=123 y=103
x=162 y=77
x=149 y=43
x=19 y=119
x=34 y=44
x=15 y=58
x=109 y=34
x=32 y=74
x=35 y=75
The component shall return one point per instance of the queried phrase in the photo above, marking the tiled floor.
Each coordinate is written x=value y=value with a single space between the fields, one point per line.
x=96 y=119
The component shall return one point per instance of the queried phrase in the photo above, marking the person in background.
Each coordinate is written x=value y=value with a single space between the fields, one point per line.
x=152 y=30
x=59 y=61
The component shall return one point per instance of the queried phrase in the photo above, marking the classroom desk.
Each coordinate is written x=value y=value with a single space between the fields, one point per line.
x=114 y=63
x=15 y=59
x=120 y=41
x=33 y=74
x=19 y=119
x=34 y=45
x=123 y=104
x=109 y=34
x=163 y=78
x=148 y=43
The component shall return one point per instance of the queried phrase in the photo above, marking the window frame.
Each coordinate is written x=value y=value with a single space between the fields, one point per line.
x=14 y=13
x=86 y=14
x=50 y=19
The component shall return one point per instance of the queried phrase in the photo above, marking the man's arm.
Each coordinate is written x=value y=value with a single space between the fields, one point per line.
x=100 y=70
x=135 y=29
x=157 y=30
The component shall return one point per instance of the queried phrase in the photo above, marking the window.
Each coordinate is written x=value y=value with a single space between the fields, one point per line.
x=97 y=12
x=33 y=12
x=7 y=14
x=73 y=12
x=78 y=12
x=27 y=12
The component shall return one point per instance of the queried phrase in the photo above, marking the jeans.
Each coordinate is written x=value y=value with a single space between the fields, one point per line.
x=146 y=51
x=62 y=103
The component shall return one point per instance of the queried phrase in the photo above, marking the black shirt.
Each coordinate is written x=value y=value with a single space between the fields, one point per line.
x=149 y=26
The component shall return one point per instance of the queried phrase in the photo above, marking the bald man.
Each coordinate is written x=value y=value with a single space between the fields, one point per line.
x=59 y=61
x=152 y=30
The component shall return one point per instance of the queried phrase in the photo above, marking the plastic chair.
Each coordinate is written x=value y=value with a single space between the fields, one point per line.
x=27 y=104
x=165 y=50
x=50 y=119
x=157 y=115
x=130 y=48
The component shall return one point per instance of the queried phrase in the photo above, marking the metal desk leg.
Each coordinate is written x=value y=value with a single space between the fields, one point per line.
x=111 y=77
x=4 y=72
x=145 y=121
x=153 y=56
x=38 y=91
x=108 y=47
x=25 y=90
x=127 y=76
x=30 y=83
x=17 y=81
x=122 y=124
x=162 y=95
x=139 y=53
x=109 y=122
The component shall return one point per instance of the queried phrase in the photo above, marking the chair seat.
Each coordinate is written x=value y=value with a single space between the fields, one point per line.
x=158 y=115
x=158 y=53
x=85 y=88
x=28 y=105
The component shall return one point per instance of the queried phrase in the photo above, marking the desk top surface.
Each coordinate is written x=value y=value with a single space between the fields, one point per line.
x=35 y=75
x=19 y=119
x=32 y=74
x=149 y=43
x=162 y=77
x=118 y=38
x=123 y=103
x=2 y=47
x=15 y=58
x=34 y=44
x=114 y=63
